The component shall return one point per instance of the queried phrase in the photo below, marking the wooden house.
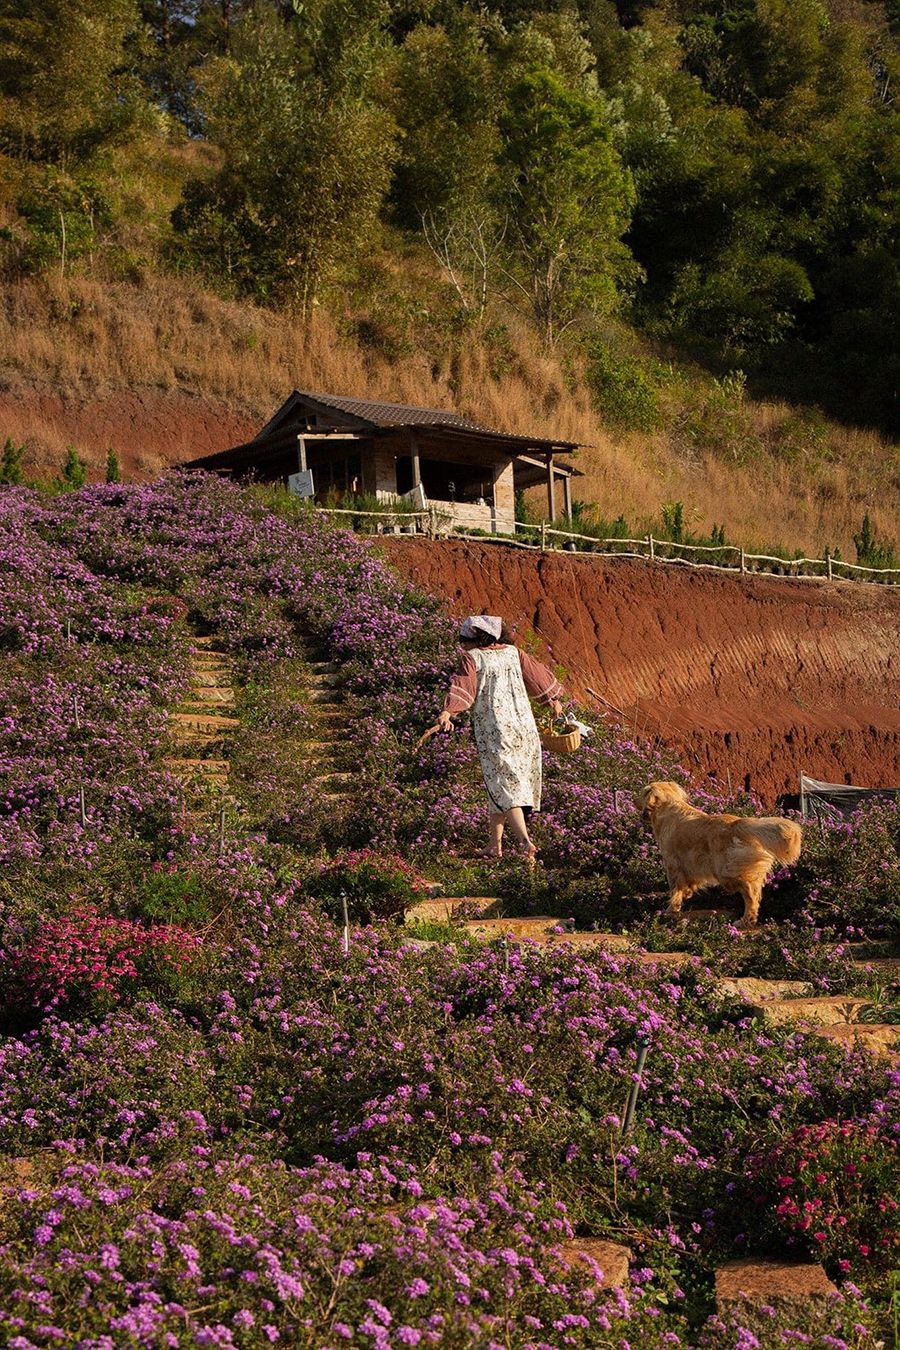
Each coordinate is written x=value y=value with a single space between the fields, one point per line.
x=330 y=447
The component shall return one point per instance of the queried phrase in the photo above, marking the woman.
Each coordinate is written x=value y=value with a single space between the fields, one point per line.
x=494 y=680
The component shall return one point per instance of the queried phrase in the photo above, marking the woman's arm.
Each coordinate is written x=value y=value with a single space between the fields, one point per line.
x=540 y=682
x=462 y=691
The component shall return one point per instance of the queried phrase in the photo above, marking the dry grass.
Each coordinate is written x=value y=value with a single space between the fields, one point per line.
x=193 y=370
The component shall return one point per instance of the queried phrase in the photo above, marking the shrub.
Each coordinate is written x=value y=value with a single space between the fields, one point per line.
x=377 y=886
x=85 y=959
x=871 y=552
x=623 y=390
x=832 y=1191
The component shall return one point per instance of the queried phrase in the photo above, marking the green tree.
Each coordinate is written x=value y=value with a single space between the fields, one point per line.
x=567 y=198
x=11 y=474
x=113 y=471
x=62 y=72
x=307 y=149
x=74 y=472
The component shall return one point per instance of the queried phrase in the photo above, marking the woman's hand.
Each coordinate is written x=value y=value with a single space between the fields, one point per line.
x=445 y=722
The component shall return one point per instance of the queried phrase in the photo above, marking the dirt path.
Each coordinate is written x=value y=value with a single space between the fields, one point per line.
x=750 y=678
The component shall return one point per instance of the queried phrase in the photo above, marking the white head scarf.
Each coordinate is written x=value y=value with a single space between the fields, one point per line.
x=483 y=623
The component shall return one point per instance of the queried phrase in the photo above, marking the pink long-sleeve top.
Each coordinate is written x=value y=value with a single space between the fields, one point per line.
x=540 y=683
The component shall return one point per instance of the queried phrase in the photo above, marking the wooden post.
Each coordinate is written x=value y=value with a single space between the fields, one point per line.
x=551 y=490
x=346 y=917
x=743 y=560
x=416 y=466
x=81 y=807
x=828 y=563
x=543 y=536
x=301 y=453
x=432 y=521
x=651 y=544
x=567 y=492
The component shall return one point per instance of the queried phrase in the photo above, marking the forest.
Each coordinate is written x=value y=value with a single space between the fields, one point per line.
x=719 y=176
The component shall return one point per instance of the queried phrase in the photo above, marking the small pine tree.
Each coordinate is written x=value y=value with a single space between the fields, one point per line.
x=673 y=521
x=74 y=474
x=871 y=552
x=113 y=472
x=11 y=464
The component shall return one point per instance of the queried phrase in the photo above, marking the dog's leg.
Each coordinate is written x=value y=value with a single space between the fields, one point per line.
x=676 y=898
x=752 y=895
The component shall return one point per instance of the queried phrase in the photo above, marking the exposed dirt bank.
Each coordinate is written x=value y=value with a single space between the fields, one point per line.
x=751 y=678
x=150 y=429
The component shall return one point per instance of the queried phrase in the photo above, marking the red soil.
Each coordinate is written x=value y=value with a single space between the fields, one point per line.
x=751 y=679
x=150 y=429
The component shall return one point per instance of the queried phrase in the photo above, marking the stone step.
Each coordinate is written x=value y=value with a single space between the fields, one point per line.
x=705 y=917
x=334 y=777
x=612 y=1258
x=488 y=929
x=674 y=959
x=325 y=696
x=441 y=908
x=581 y=938
x=205 y=722
x=209 y=642
x=884 y=968
x=785 y=1285
x=213 y=694
x=754 y=991
x=325 y=680
x=202 y=766
x=881 y=1039
x=833 y=1010
x=211 y=661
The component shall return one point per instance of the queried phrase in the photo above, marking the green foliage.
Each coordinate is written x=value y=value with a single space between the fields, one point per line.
x=74 y=472
x=624 y=392
x=11 y=474
x=871 y=552
x=61 y=70
x=307 y=154
x=113 y=471
x=713 y=419
x=673 y=521
x=568 y=200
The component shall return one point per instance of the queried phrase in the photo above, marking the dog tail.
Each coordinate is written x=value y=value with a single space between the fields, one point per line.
x=782 y=838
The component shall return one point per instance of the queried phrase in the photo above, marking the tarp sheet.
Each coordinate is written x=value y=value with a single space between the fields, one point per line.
x=824 y=800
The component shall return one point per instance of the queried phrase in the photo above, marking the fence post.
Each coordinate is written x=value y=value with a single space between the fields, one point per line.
x=543 y=536
x=651 y=544
x=743 y=560
x=828 y=563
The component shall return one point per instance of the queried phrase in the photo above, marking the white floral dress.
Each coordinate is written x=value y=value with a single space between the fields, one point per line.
x=495 y=682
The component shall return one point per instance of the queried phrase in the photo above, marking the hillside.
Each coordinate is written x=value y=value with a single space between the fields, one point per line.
x=164 y=370
x=230 y=1117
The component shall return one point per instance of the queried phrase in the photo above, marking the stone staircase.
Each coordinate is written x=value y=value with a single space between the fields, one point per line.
x=201 y=729
x=330 y=714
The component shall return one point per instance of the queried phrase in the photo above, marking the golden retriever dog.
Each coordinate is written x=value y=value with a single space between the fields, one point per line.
x=698 y=850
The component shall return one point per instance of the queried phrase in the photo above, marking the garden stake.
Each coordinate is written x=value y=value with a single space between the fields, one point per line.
x=75 y=711
x=506 y=953
x=346 y=923
x=68 y=630
x=222 y=828
x=643 y=1047
x=81 y=806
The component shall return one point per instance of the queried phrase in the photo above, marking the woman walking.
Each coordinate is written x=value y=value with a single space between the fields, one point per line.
x=495 y=680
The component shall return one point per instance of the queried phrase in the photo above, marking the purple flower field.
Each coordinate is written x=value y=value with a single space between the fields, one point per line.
x=217 y=1128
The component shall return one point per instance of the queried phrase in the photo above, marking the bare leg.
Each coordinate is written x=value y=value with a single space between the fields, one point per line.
x=515 y=819
x=495 y=834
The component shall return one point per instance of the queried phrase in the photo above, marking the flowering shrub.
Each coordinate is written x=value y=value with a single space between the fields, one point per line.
x=376 y=885
x=85 y=958
x=833 y=1190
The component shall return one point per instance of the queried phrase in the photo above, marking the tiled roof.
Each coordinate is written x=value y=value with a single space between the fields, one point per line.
x=392 y=414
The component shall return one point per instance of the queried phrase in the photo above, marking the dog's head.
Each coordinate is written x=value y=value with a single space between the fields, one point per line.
x=655 y=795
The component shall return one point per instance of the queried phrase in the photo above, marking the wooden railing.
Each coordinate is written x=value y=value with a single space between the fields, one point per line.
x=436 y=525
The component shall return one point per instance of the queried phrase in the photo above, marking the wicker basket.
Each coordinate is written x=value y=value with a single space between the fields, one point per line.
x=560 y=743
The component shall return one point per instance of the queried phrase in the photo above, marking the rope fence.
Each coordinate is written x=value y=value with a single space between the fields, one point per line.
x=540 y=538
